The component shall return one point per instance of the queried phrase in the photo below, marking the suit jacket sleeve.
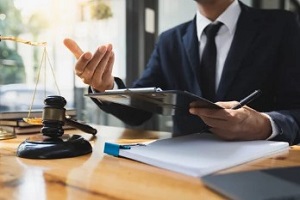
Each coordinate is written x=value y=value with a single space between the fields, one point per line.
x=288 y=119
x=130 y=116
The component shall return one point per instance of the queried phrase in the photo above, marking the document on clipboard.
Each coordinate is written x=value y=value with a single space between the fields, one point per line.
x=155 y=100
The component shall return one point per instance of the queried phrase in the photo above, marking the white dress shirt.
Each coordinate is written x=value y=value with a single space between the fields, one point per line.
x=223 y=38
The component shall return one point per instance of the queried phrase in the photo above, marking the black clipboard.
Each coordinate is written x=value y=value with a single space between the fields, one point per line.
x=155 y=100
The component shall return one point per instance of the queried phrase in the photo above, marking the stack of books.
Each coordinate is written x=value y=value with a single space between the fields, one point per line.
x=13 y=123
x=18 y=126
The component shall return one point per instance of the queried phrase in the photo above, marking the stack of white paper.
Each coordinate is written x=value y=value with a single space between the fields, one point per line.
x=201 y=154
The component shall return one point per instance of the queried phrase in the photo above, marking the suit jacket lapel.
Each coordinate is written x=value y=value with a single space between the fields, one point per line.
x=191 y=44
x=246 y=30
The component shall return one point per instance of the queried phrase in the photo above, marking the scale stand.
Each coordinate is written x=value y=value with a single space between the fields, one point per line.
x=53 y=143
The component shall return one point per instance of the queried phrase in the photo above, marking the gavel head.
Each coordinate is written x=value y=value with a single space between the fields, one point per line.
x=54 y=115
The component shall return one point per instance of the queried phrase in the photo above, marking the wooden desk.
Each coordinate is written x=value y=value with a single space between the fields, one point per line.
x=99 y=176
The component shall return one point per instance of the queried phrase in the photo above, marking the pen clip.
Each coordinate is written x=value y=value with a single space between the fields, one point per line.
x=128 y=146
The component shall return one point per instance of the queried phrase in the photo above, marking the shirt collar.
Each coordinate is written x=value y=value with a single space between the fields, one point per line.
x=229 y=18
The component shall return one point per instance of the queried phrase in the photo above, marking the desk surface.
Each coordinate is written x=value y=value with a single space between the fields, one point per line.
x=99 y=176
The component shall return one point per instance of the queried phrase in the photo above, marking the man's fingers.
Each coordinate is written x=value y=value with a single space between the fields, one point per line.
x=73 y=47
x=227 y=104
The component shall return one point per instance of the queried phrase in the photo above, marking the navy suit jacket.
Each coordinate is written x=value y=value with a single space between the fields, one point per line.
x=264 y=54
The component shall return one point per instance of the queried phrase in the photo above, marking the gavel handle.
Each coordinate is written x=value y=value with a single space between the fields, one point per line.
x=83 y=127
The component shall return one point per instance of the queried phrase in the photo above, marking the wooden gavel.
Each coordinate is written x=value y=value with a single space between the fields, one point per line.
x=54 y=118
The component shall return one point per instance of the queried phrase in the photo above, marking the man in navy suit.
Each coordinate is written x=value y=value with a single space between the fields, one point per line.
x=256 y=49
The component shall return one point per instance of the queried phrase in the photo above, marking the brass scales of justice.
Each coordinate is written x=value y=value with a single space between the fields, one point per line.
x=52 y=143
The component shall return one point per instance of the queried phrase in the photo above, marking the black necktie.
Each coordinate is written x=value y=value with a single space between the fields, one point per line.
x=208 y=62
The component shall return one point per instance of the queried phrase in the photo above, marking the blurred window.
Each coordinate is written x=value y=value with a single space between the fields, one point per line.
x=89 y=22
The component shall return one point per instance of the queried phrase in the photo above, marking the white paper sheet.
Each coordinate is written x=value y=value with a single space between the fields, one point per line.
x=201 y=154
